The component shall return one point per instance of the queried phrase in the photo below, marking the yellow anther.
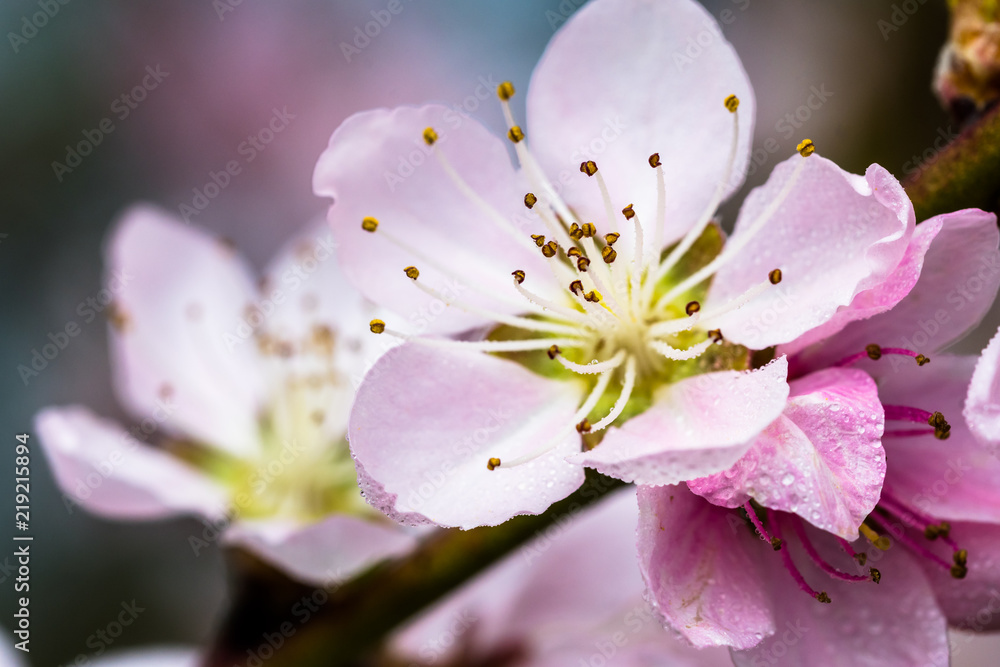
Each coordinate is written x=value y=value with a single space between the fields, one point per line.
x=921 y=360
x=505 y=90
x=518 y=276
x=582 y=264
x=692 y=307
x=628 y=212
x=611 y=238
x=369 y=224
x=732 y=103
x=822 y=597
x=774 y=276
x=588 y=229
x=806 y=148
x=654 y=160
x=412 y=272
x=716 y=335
x=874 y=574
x=874 y=351
x=574 y=252
x=515 y=134
x=550 y=249
x=593 y=296
x=576 y=287
x=881 y=542
x=584 y=426
x=430 y=136
x=538 y=239
x=493 y=463
x=575 y=232
x=376 y=326
x=553 y=351
x=589 y=167
x=530 y=200
x=609 y=254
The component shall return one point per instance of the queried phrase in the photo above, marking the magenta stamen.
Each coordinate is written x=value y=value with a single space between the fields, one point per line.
x=891 y=504
x=786 y=558
x=904 y=413
x=847 y=361
x=846 y=546
x=867 y=354
x=914 y=546
x=908 y=433
x=761 y=530
x=816 y=558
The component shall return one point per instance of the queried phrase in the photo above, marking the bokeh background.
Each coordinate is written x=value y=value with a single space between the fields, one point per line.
x=228 y=66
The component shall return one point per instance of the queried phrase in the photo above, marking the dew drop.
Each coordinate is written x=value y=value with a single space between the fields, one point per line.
x=788 y=479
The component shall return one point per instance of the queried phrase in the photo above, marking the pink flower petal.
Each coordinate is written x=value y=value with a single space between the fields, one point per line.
x=327 y=552
x=704 y=568
x=427 y=420
x=972 y=603
x=982 y=405
x=182 y=296
x=627 y=78
x=99 y=465
x=894 y=623
x=821 y=459
x=696 y=427
x=378 y=165
x=959 y=277
x=866 y=304
x=957 y=479
x=833 y=236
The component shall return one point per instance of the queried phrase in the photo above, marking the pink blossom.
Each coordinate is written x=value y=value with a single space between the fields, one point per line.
x=937 y=511
x=245 y=390
x=544 y=313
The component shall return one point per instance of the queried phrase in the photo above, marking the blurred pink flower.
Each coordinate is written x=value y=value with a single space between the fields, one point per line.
x=570 y=597
x=247 y=389
x=448 y=434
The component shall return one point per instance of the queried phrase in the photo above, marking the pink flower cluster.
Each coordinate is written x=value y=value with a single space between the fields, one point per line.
x=817 y=479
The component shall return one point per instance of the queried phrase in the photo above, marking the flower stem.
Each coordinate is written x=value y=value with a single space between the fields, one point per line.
x=352 y=620
x=966 y=173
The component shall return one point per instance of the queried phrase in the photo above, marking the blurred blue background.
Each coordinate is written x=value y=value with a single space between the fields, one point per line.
x=222 y=75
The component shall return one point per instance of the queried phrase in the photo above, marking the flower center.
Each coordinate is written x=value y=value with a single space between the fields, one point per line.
x=304 y=468
x=626 y=310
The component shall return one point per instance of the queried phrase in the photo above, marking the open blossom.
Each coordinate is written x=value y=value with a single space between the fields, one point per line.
x=245 y=393
x=570 y=597
x=590 y=286
x=931 y=531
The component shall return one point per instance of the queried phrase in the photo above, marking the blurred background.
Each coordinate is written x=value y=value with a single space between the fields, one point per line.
x=210 y=75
